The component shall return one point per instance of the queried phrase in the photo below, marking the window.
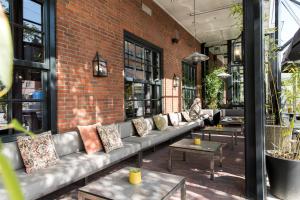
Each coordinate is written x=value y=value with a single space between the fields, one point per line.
x=237 y=72
x=188 y=85
x=31 y=96
x=142 y=77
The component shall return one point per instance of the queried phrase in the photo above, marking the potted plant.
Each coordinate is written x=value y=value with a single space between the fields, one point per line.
x=283 y=161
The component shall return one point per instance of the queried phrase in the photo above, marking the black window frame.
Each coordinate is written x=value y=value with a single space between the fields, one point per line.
x=155 y=103
x=47 y=67
x=190 y=88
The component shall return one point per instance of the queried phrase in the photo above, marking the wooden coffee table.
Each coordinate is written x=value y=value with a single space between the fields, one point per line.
x=206 y=147
x=154 y=186
x=233 y=131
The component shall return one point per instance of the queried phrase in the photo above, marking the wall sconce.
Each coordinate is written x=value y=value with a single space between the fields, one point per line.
x=237 y=52
x=176 y=37
x=99 y=66
x=176 y=81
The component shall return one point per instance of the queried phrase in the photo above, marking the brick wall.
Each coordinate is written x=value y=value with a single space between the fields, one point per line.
x=86 y=26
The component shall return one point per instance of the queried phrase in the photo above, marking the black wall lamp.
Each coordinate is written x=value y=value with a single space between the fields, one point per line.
x=176 y=81
x=99 y=66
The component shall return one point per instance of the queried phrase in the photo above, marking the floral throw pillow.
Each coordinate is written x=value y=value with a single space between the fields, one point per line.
x=186 y=116
x=37 y=152
x=160 y=122
x=110 y=137
x=140 y=125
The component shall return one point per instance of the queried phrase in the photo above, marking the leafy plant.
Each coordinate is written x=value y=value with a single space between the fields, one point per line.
x=7 y=173
x=214 y=88
x=135 y=170
x=236 y=11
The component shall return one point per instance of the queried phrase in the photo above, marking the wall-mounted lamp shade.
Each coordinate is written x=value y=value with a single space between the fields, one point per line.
x=196 y=58
x=237 y=52
x=99 y=66
x=223 y=75
x=176 y=81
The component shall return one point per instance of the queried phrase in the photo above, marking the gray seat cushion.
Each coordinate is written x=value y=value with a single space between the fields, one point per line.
x=69 y=169
x=151 y=139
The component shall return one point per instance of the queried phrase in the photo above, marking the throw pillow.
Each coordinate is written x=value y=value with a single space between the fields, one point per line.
x=140 y=125
x=90 y=138
x=37 y=152
x=174 y=119
x=160 y=122
x=110 y=137
x=186 y=116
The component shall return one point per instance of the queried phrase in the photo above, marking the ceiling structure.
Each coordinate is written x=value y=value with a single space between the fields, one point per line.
x=214 y=23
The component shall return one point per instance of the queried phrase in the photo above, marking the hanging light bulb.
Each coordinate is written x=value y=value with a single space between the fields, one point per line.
x=196 y=57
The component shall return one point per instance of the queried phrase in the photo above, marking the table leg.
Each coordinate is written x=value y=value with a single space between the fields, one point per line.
x=184 y=156
x=221 y=156
x=202 y=135
x=232 y=141
x=235 y=138
x=209 y=136
x=212 y=167
x=183 y=191
x=170 y=160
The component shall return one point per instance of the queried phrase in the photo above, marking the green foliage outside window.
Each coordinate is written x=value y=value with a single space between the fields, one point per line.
x=214 y=88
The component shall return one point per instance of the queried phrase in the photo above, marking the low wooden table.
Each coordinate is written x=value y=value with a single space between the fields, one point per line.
x=233 y=131
x=206 y=147
x=154 y=186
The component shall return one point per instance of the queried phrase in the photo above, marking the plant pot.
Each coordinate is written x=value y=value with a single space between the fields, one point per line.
x=135 y=177
x=284 y=177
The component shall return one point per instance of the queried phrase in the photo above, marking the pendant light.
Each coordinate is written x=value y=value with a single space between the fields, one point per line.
x=195 y=57
x=223 y=75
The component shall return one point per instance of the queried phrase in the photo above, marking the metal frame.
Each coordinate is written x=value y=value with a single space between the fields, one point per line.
x=48 y=69
x=137 y=40
x=254 y=99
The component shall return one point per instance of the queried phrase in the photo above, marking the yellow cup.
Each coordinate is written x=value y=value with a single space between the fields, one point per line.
x=135 y=177
x=197 y=141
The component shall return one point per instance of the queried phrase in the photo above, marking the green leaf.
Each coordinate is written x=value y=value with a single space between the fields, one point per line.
x=6 y=55
x=10 y=180
x=15 y=124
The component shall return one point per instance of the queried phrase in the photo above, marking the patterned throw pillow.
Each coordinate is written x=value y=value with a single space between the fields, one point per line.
x=110 y=137
x=38 y=152
x=160 y=122
x=90 y=138
x=174 y=119
x=186 y=116
x=140 y=125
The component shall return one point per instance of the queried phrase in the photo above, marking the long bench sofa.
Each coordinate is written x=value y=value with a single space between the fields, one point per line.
x=75 y=164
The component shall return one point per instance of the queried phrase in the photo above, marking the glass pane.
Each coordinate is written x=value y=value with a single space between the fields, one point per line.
x=128 y=91
x=131 y=49
x=29 y=114
x=129 y=73
x=3 y=114
x=138 y=91
x=32 y=31
x=139 y=52
x=139 y=75
x=139 y=108
x=27 y=84
x=129 y=110
x=147 y=92
x=156 y=73
x=148 y=106
x=5 y=5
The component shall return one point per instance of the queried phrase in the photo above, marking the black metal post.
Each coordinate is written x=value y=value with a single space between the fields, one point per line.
x=254 y=99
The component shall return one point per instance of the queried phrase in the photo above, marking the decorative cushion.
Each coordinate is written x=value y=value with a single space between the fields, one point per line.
x=38 y=152
x=174 y=119
x=140 y=125
x=160 y=122
x=110 y=137
x=186 y=116
x=90 y=138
